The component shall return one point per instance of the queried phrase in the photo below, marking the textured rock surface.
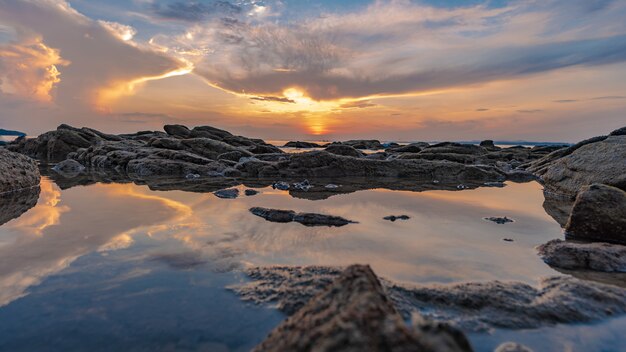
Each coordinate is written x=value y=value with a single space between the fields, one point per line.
x=599 y=214
x=596 y=160
x=587 y=256
x=354 y=314
x=17 y=172
x=307 y=219
x=472 y=306
x=512 y=347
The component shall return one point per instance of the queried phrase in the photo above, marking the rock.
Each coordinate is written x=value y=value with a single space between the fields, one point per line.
x=69 y=168
x=393 y=218
x=307 y=219
x=299 y=144
x=302 y=186
x=18 y=172
x=345 y=150
x=512 y=347
x=251 y=192
x=364 y=144
x=586 y=256
x=283 y=186
x=499 y=220
x=331 y=186
x=324 y=164
x=596 y=160
x=473 y=306
x=231 y=193
x=488 y=143
x=14 y=204
x=235 y=155
x=507 y=239
x=409 y=148
x=177 y=131
x=599 y=214
x=495 y=184
x=274 y=215
x=354 y=314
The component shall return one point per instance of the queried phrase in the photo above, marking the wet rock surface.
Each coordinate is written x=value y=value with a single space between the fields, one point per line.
x=227 y=193
x=474 y=306
x=17 y=172
x=595 y=160
x=307 y=219
x=598 y=214
x=353 y=313
x=69 y=168
x=604 y=257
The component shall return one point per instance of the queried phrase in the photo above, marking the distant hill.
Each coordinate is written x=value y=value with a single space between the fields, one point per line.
x=4 y=132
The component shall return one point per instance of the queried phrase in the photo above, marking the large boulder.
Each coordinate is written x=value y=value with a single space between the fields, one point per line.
x=355 y=314
x=345 y=150
x=599 y=214
x=299 y=144
x=18 y=172
x=596 y=160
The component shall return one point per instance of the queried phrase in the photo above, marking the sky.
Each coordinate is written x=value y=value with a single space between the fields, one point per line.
x=431 y=70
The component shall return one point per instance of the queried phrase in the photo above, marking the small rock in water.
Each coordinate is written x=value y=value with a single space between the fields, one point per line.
x=461 y=186
x=512 y=347
x=307 y=219
x=435 y=181
x=331 y=186
x=302 y=186
x=499 y=220
x=507 y=239
x=251 y=192
x=283 y=186
x=495 y=184
x=230 y=193
x=192 y=176
x=393 y=218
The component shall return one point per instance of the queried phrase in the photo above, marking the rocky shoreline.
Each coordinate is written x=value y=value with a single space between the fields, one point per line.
x=585 y=188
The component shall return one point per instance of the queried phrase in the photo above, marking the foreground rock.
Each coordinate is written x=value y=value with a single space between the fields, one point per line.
x=584 y=256
x=596 y=160
x=17 y=172
x=354 y=314
x=471 y=306
x=599 y=214
x=307 y=219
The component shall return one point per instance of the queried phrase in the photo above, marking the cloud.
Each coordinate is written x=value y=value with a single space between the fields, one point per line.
x=482 y=109
x=530 y=111
x=275 y=99
x=396 y=48
x=610 y=97
x=29 y=69
x=193 y=11
x=361 y=104
x=565 y=101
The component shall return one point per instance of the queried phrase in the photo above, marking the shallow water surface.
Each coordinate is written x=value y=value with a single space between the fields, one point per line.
x=121 y=267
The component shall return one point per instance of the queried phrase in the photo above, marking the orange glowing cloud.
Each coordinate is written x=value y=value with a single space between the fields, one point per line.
x=30 y=69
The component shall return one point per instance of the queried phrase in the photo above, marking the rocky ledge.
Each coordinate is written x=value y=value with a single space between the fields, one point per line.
x=473 y=306
x=18 y=172
x=353 y=313
x=210 y=152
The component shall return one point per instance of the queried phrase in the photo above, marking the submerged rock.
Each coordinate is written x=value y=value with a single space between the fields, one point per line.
x=499 y=220
x=283 y=186
x=307 y=219
x=393 y=218
x=354 y=314
x=231 y=193
x=69 y=168
x=587 y=256
x=599 y=214
x=474 y=306
x=18 y=172
x=251 y=192
x=512 y=347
